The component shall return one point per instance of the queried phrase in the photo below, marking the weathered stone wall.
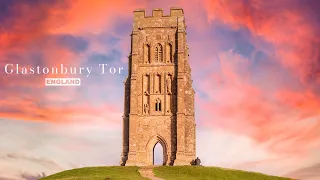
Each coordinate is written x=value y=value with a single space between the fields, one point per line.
x=159 y=98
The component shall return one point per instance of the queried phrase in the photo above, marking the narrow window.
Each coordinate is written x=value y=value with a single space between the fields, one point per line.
x=158 y=53
x=148 y=53
x=158 y=105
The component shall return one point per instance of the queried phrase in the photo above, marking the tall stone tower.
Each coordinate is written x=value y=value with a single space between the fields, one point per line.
x=159 y=98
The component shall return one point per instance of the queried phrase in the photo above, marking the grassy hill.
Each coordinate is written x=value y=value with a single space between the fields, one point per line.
x=210 y=173
x=165 y=172
x=98 y=173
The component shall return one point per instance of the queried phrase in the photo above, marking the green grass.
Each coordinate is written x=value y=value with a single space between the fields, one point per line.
x=210 y=173
x=165 y=172
x=98 y=173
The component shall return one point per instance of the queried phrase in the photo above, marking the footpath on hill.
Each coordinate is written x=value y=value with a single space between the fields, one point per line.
x=146 y=171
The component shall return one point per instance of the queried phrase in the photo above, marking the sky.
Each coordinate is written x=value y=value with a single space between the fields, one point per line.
x=255 y=69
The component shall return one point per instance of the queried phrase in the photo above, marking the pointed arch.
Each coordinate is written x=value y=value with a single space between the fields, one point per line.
x=158 y=154
x=152 y=143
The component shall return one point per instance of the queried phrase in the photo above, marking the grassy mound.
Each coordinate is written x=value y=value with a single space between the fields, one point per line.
x=98 y=173
x=165 y=172
x=200 y=172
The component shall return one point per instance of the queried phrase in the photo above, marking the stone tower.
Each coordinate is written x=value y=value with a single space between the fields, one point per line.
x=159 y=98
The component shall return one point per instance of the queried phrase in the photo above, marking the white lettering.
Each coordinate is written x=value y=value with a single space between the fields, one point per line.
x=6 y=69
x=45 y=70
x=112 y=70
x=120 y=68
x=63 y=70
x=103 y=65
x=62 y=82
x=89 y=71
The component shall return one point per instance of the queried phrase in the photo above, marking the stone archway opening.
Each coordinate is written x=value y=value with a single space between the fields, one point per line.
x=157 y=151
x=158 y=155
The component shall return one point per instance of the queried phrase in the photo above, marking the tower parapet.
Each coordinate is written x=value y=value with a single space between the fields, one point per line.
x=157 y=19
x=158 y=12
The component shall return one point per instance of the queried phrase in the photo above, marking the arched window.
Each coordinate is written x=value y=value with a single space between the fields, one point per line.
x=158 y=105
x=158 y=53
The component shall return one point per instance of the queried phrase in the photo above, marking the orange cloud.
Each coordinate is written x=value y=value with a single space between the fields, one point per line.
x=31 y=31
x=29 y=109
x=27 y=26
x=285 y=25
x=92 y=17
x=283 y=120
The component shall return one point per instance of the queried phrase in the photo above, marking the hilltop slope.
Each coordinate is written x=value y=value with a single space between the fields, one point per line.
x=165 y=172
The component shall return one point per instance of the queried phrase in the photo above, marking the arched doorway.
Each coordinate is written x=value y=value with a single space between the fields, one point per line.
x=157 y=151
x=158 y=154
